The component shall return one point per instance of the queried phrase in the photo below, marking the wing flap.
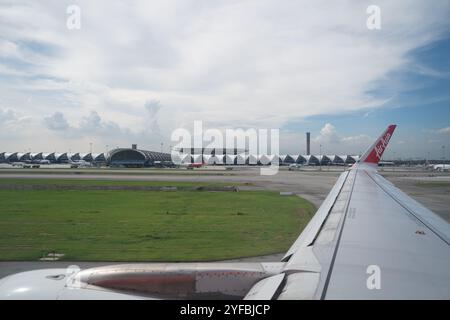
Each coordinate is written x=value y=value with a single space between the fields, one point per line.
x=312 y=229
x=266 y=288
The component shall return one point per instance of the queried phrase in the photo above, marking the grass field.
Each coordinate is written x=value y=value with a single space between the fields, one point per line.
x=88 y=182
x=119 y=171
x=122 y=225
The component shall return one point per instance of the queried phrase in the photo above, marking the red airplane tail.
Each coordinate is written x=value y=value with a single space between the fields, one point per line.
x=376 y=150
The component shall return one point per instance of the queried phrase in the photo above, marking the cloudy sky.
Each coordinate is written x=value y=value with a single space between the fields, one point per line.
x=137 y=70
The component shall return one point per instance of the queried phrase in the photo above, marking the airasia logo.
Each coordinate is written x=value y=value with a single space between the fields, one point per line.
x=379 y=148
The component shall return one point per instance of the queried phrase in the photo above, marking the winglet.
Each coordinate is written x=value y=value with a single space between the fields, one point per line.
x=376 y=150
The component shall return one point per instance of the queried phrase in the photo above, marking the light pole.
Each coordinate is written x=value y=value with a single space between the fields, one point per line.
x=394 y=161
x=320 y=159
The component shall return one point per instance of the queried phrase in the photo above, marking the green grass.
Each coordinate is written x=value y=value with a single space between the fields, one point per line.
x=86 y=182
x=119 y=171
x=120 y=225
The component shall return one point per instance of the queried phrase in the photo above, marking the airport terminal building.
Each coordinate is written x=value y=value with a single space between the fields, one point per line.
x=134 y=157
x=264 y=159
x=121 y=157
x=138 y=158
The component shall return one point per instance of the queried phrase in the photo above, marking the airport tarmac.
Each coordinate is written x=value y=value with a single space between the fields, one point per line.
x=311 y=184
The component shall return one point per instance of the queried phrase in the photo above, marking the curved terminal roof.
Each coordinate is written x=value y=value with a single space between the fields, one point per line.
x=136 y=157
x=139 y=157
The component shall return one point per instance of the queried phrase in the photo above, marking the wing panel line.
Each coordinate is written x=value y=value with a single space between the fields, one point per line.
x=333 y=259
x=309 y=234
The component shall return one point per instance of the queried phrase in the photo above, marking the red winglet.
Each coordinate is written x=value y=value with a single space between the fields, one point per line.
x=375 y=152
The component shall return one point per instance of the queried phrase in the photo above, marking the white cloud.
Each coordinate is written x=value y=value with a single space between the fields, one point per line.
x=360 y=138
x=10 y=119
x=93 y=127
x=334 y=142
x=56 y=122
x=92 y=122
x=229 y=63
x=7 y=116
x=444 y=130
x=8 y=49
x=328 y=134
x=153 y=107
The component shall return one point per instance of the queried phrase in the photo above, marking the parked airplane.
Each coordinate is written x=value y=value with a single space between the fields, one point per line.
x=18 y=164
x=440 y=167
x=43 y=161
x=295 y=166
x=25 y=165
x=192 y=165
x=79 y=164
x=368 y=240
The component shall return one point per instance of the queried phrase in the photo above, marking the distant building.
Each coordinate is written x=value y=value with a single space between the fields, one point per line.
x=135 y=157
x=123 y=157
x=235 y=158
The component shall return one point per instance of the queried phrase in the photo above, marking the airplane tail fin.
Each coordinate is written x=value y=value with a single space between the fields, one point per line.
x=376 y=150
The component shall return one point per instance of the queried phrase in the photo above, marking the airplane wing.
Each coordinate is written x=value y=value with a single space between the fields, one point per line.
x=368 y=240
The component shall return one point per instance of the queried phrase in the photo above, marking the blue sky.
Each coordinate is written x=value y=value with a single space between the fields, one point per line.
x=136 y=71
x=421 y=108
x=423 y=101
